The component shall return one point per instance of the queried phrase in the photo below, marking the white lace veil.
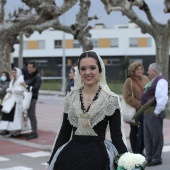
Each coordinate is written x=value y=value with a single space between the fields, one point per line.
x=78 y=82
x=19 y=72
x=102 y=82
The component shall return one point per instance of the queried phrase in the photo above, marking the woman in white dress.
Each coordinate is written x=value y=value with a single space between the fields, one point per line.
x=12 y=118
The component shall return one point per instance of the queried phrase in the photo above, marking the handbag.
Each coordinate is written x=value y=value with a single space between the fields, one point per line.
x=8 y=103
x=27 y=98
x=127 y=110
x=26 y=125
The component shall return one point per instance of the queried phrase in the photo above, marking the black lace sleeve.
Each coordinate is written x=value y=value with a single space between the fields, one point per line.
x=115 y=131
x=64 y=135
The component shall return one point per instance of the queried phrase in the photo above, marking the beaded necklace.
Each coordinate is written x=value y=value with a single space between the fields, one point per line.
x=82 y=102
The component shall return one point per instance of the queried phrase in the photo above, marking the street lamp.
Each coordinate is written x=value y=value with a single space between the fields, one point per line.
x=63 y=61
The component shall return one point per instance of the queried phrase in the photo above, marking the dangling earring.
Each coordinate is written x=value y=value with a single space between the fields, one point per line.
x=82 y=82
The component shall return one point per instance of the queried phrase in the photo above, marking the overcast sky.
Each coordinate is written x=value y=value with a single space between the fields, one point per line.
x=97 y=8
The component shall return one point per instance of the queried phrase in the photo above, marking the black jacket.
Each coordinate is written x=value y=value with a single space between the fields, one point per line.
x=35 y=81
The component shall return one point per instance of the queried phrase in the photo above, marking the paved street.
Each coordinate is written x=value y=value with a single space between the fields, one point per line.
x=19 y=154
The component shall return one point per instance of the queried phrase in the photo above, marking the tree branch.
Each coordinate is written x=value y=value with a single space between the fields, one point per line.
x=125 y=6
x=2 y=13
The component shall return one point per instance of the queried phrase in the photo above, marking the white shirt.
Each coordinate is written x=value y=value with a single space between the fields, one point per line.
x=161 y=94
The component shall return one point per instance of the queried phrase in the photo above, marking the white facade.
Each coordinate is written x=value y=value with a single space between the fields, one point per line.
x=123 y=49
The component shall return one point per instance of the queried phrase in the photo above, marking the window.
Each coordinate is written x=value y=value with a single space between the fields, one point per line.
x=25 y=45
x=114 y=42
x=113 y=62
x=140 y=42
x=76 y=44
x=133 y=42
x=57 y=44
x=41 y=63
x=59 y=61
x=149 y=42
x=34 y=45
x=41 y=44
x=95 y=42
x=136 y=60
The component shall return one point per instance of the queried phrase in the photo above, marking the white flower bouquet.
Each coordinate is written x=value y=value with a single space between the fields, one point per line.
x=131 y=161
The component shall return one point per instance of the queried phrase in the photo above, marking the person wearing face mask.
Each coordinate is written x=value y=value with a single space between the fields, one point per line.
x=4 y=83
x=12 y=120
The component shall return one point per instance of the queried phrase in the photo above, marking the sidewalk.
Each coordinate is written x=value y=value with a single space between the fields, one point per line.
x=49 y=120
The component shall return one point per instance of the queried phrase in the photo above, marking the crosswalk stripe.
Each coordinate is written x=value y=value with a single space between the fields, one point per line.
x=4 y=158
x=37 y=154
x=17 y=168
x=166 y=149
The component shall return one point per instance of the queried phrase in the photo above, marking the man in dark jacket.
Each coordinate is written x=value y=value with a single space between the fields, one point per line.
x=34 y=80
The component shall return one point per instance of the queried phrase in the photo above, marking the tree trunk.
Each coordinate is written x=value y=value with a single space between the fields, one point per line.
x=85 y=41
x=162 y=52
x=5 y=60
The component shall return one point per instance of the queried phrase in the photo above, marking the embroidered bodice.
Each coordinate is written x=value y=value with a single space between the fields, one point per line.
x=104 y=105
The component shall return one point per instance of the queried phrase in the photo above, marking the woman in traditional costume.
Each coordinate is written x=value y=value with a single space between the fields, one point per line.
x=12 y=118
x=89 y=108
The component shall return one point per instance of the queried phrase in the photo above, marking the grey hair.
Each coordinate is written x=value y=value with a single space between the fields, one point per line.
x=157 y=67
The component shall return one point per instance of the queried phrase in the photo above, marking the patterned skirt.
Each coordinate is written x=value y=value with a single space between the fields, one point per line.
x=85 y=153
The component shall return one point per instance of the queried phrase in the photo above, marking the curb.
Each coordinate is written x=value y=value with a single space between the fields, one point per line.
x=53 y=93
x=29 y=144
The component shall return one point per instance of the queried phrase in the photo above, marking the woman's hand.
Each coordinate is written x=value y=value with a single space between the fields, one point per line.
x=24 y=84
x=10 y=91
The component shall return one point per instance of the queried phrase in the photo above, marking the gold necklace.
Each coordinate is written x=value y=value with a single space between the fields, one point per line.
x=89 y=99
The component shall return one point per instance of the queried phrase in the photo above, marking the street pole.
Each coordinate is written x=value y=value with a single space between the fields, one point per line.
x=63 y=62
x=20 y=57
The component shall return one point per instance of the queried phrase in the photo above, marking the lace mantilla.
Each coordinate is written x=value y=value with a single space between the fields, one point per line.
x=105 y=105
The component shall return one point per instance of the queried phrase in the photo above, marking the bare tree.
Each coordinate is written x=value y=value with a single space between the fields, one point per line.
x=160 y=32
x=80 y=29
x=46 y=15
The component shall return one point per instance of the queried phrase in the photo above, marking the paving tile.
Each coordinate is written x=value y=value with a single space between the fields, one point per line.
x=13 y=148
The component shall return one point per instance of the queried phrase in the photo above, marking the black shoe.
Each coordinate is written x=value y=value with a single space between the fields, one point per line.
x=32 y=136
x=148 y=160
x=16 y=134
x=154 y=163
x=5 y=132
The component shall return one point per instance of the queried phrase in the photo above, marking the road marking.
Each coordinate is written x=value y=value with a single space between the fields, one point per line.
x=17 y=168
x=4 y=159
x=166 y=149
x=37 y=154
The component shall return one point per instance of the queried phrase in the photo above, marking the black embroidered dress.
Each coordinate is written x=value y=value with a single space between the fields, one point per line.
x=81 y=143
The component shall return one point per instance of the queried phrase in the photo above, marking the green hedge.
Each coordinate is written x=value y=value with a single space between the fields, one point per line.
x=55 y=85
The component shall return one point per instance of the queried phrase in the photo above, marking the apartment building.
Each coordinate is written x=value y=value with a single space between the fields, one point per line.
x=117 y=46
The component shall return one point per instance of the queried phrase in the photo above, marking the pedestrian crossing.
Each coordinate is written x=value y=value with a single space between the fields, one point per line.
x=36 y=154
x=40 y=154
x=166 y=149
x=4 y=159
x=33 y=155
x=17 y=168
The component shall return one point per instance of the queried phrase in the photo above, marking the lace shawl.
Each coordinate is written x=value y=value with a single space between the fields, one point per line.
x=105 y=105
